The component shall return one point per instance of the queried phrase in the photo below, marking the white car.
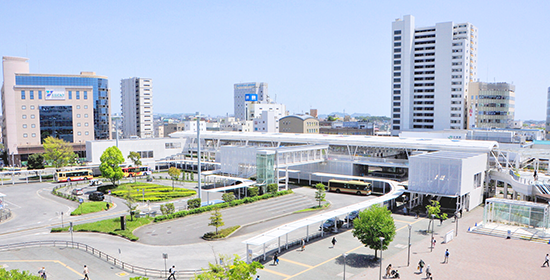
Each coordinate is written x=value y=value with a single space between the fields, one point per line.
x=95 y=182
x=78 y=191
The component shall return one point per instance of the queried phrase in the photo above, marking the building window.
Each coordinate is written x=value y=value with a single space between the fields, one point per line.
x=25 y=135
x=396 y=32
x=33 y=125
x=79 y=133
x=32 y=116
x=86 y=133
x=85 y=124
x=32 y=107
x=77 y=94
x=23 y=107
x=397 y=44
x=85 y=95
x=85 y=106
x=78 y=124
x=39 y=94
x=33 y=135
x=70 y=94
x=24 y=116
x=78 y=115
x=24 y=125
x=77 y=106
x=85 y=115
x=31 y=94
x=22 y=94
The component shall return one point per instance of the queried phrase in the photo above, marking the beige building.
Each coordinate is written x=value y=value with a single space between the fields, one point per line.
x=299 y=124
x=74 y=108
x=491 y=105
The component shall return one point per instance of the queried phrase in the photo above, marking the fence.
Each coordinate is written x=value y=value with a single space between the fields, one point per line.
x=160 y=273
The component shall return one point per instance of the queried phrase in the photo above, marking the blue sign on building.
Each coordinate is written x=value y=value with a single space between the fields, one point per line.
x=251 y=97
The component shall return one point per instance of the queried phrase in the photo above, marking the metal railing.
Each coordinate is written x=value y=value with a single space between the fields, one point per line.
x=152 y=272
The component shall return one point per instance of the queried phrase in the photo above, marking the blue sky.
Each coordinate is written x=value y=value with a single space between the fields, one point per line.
x=329 y=55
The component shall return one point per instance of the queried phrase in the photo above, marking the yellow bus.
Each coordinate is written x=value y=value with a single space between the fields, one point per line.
x=136 y=171
x=73 y=175
x=354 y=187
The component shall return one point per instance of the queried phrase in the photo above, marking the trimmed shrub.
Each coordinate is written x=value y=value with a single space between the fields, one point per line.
x=194 y=203
x=272 y=188
x=253 y=191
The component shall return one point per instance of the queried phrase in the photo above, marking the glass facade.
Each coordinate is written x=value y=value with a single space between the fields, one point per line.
x=100 y=95
x=265 y=168
x=517 y=213
x=56 y=121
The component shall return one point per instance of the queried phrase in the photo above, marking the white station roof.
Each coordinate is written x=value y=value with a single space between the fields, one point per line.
x=355 y=140
x=284 y=229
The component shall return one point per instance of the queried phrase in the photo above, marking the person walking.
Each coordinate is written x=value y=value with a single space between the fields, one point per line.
x=172 y=272
x=42 y=273
x=257 y=277
x=433 y=242
x=303 y=245
x=275 y=259
x=388 y=271
x=428 y=272
x=546 y=261
x=446 y=260
x=420 y=265
x=333 y=241
x=85 y=272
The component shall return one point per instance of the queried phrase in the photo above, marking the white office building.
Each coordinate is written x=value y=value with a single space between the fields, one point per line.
x=246 y=93
x=136 y=102
x=432 y=67
x=192 y=125
x=268 y=121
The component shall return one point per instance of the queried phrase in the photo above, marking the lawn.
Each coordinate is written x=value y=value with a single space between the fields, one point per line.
x=90 y=207
x=111 y=226
x=153 y=192
x=314 y=208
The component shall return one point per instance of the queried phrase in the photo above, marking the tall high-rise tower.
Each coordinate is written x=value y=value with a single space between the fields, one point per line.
x=245 y=93
x=136 y=102
x=431 y=69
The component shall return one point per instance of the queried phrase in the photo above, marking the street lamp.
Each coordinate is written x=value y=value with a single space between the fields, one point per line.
x=116 y=118
x=381 y=250
x=409 y=253
x=344 y=255
x=431 y=240
x=199 y=152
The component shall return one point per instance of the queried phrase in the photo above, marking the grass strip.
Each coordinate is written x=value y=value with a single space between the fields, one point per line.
x=314 y=208
x=111 y=226
x=140 y=191
x=90 y=207
x=222 y=233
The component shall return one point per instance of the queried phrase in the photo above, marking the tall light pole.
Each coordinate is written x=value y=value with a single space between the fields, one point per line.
x=409 y=253
x=344 y=255
x=381 y=250
x=431 y=240
x=116 y=118
x=199 y=152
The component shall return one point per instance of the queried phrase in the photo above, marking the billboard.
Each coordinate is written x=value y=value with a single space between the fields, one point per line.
x=55 y=94
x=251 y=97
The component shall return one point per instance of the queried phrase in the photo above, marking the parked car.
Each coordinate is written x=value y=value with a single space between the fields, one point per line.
x=96 y=182
x=96 y=196
x=78 y=191
x=328 y=225
x=352 y=216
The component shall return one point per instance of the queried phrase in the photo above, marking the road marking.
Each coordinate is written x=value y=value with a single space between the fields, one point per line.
x=333 y=258
x=54 y=261
x=406 y=222
x=298 y=263
x=276 y=272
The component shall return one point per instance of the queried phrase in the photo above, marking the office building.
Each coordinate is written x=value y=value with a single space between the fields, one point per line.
x=136 y=102
x=245 y=93
x=491 y=105
x=268 y=121
x=548 y=115
x=74 y=108
x=431 y=69
x=299 y=124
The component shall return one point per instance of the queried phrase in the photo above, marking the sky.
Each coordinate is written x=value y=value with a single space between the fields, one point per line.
x=326 y=55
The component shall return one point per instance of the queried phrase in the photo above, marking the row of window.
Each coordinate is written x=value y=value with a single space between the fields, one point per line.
x=33 y=116
x=424 y=90
x=422 y=120
x=424 y=54
x=424 y=72
x=423 y=66
x=425 y=36
x=423 y=96
x=425 y=43
x=423 y=109
x=33 y=135
x=424 y=60
x=424 y=85
x=424 y=78
x=424 y=48
x=423 y=102
x=423 y=114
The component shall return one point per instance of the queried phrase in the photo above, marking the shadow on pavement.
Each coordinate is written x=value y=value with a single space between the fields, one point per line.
x=359 y=260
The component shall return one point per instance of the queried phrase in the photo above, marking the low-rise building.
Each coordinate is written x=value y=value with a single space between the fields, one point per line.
x=299 y=124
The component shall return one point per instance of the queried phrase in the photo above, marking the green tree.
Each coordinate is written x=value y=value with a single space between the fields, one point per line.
x=191 y=176
x=110 y=160
x=216 y=219
x=320 y=193
x=59 y=152
x=229 y=269
x=273 y=188
x=253 y=191
x=130 y=202
x=167 y=208
x=15 y=274
x=135 y=158
x=373 y=223
x=35 y=161
x=434 y=208
x=174 y=174
x=228 y=197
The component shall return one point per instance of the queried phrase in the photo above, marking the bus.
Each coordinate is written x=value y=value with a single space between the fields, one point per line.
x=354 y=187
x=136 y=171
x=73 y=175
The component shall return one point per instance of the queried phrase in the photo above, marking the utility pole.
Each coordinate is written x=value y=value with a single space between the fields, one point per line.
x=199 y=152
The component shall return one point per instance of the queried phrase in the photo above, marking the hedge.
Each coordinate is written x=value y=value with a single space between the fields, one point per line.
x=246 y=200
